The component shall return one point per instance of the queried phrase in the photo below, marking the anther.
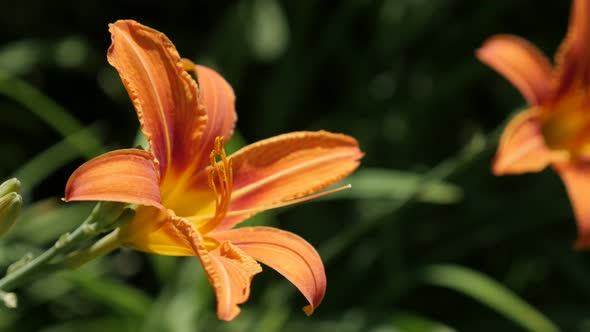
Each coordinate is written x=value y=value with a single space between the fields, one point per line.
x=221 y=172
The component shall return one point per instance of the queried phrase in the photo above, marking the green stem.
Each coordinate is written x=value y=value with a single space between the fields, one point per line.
x=65 y=242
x=102 y=247
x=440 y=172
x=105 y=216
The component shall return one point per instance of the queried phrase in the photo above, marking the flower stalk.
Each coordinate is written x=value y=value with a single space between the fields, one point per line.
x=104 y=217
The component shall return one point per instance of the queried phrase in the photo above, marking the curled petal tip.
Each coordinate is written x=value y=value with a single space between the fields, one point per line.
x=583 y=240
x=582 y=243
x=308 y=309
x=497 y=170
x=286 y=253
x=572 y=56
x=577 y=183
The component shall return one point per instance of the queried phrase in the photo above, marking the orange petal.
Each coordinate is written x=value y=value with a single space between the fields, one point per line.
x=287 y=253
x=521 y=63
x=576 y=177
x=288 y=166
x=574 y=53
x=128 y=175
x=233 y=271
x=219 y=100
x=163 y=93
x=522 y=146
x=229 y=269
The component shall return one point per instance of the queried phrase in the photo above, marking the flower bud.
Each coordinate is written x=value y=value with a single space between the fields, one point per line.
x=10 y=300
x=10 y=205
x=9 y=186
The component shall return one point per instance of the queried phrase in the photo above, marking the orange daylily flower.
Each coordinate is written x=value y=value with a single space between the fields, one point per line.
x=191 y=195
x=555 y=130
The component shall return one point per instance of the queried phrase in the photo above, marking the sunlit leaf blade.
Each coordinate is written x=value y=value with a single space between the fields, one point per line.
x=488 y=292
x=393 y=184
x=410 y=322
x=51 y=113
x=46 y=220
x=184 y=303
x=100 y=324
x=55 y=286
x=48 y=289
x=115 y=295
x=275 y=311
x=56 y=156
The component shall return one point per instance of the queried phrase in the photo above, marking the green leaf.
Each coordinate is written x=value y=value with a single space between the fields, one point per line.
x=393 y=184
x=107 y=323
x=410 y=322
x=55 y=286
x=46 y=220
x=51 y=113
x=488 y=292
x=45 y=163
x=115 y=295
x=185 y=302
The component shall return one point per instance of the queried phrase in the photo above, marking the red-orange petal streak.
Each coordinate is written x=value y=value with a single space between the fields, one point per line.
x=521 y=63
x=234 y=271
x=576 y=177
x=128 y=175
x=285 y=252
x=163 y=93
x=522 y=146
x=573 y=57
x=219 y=100
x=289 y=166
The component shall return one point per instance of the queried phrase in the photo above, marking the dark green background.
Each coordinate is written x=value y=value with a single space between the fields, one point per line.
x=399 y=75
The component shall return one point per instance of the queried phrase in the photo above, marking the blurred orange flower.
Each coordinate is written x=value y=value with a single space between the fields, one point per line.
x=190 y=193
x=555 y=130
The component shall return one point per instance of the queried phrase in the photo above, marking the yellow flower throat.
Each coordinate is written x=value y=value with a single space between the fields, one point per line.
x=566 y=124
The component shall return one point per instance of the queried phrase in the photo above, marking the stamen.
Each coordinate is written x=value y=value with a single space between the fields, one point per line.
x=221 y=172
x=258 y=209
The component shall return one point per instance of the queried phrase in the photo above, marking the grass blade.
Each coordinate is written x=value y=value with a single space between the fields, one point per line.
x=489 y=292
x=51 y=113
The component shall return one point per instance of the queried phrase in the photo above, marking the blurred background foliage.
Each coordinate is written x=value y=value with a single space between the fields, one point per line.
x=427 y=239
